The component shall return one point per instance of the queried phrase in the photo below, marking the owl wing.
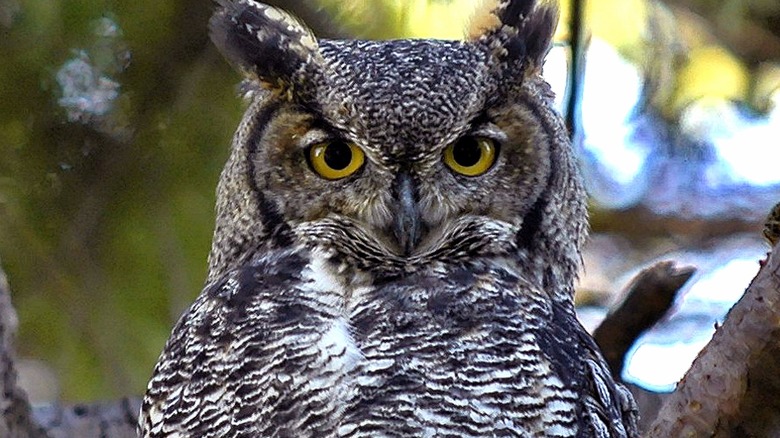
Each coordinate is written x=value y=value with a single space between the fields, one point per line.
x=607 y=408
x=244 y=358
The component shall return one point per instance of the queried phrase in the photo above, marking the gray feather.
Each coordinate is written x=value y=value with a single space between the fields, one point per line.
x=320 y=319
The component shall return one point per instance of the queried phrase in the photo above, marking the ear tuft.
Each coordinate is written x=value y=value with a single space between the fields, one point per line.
x=264 y=43
x=517 y=30
x=483 y=20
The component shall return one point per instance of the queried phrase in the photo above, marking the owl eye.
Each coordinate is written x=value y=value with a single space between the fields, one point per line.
x=470 y=156
x=336 y=159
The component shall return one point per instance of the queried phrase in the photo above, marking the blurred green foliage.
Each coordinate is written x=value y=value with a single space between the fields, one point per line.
x=105 y=223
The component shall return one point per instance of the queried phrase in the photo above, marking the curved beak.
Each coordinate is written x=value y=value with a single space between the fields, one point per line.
x=407 y=221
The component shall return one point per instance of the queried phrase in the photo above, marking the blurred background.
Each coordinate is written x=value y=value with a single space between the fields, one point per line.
x=116 y=118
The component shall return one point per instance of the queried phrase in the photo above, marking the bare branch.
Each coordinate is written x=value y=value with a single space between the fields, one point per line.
x=650 y=295
x=732 y=386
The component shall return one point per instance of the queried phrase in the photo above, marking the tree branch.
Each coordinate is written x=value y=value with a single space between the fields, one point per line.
x=731 y=388
x=649 y=296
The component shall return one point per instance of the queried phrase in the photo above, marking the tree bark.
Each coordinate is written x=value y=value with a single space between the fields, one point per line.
x=731 y=389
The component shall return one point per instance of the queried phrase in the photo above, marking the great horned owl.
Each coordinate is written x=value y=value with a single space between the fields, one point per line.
x=398 y=232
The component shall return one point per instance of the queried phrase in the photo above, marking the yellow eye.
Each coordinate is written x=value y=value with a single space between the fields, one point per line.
x=471 y=156
x=336 y=159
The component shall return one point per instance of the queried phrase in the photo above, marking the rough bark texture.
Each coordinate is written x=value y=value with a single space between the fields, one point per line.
x=731 y=389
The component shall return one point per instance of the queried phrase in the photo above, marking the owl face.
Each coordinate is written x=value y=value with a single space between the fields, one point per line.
x=403 y=138
x=407 y=146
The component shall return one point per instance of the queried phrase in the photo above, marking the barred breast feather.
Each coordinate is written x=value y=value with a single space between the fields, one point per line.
x=283 y=347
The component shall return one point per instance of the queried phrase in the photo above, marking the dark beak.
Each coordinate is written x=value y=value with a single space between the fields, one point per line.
x=407 y=222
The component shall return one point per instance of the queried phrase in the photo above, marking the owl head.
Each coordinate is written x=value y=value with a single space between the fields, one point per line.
x=394 y=155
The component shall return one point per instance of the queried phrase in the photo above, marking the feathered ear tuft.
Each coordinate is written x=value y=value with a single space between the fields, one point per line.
x=516 y=30
x=266 y=44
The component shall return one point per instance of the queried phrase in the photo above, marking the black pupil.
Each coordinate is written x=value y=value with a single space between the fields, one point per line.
x=338 y=155
x=467 y=152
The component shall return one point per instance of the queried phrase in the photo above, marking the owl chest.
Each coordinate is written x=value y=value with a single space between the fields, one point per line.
x=431 y=354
